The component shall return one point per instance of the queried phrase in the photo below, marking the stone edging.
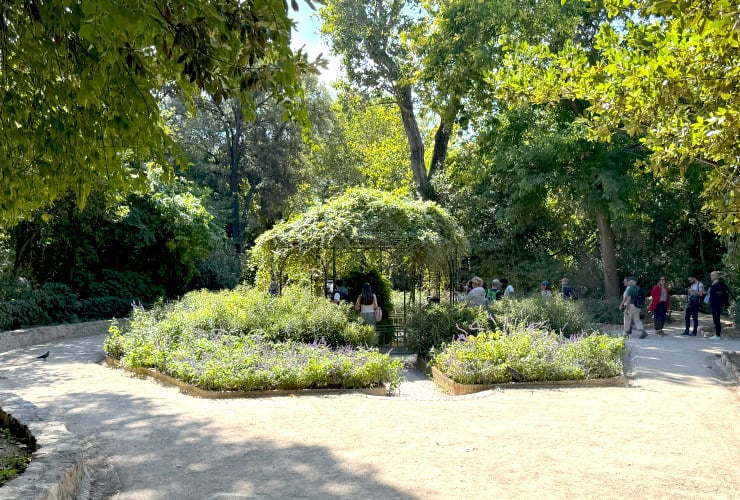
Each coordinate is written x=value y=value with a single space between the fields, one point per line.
x=13 y=339
x=56 y=470
x=451 y=387
x=729 y=365
x=191 y=390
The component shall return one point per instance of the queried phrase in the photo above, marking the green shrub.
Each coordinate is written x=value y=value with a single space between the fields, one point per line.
x=21 y=313
x=103 y=308
x=431 y=326
x=604 y=311
x=217 y=359
x=533 y=353
x=567 y=317
x=296 y=315
x=58 y=300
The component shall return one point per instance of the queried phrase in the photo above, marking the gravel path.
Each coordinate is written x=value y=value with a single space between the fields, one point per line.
x=673 y=434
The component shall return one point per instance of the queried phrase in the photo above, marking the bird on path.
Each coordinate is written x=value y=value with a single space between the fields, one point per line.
x=43 y=356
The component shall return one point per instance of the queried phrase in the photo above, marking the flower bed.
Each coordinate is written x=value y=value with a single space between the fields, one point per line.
x=529 y=355
x=177 y=341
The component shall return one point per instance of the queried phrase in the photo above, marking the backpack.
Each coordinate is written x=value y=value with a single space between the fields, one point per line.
x=640 y=299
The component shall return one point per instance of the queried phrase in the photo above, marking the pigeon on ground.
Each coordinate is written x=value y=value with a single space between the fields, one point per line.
x=43 y=356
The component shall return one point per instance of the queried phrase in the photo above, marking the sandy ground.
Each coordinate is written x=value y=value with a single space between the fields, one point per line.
x=673 y=434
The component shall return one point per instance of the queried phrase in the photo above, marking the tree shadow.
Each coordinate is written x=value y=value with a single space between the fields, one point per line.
x=160 y=453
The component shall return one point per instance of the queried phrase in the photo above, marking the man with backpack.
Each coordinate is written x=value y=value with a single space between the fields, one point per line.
x=631 y=310
x=719 y=297
x=694 y=293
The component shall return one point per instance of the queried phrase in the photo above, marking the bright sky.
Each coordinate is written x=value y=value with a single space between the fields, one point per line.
x=307 y=34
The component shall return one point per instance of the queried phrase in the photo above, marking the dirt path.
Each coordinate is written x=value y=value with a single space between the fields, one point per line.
x=675 y=434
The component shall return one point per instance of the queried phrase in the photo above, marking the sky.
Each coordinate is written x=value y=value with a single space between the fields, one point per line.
x=307 y=35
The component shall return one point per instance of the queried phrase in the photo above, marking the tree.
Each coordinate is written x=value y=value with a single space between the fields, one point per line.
x=79 y=80
x=253 y=168
x=143 y=246
x=369 y=36
x=666 y=72
x=360 y=144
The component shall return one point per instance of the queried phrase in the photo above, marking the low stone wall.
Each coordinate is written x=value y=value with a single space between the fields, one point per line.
x=13 y=339
x=55 y=471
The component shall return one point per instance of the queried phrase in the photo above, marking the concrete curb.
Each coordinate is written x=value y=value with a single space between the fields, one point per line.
x=13 y=339
x=55 y=471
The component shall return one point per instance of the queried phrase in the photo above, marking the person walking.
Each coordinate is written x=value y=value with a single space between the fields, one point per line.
x=660 y=304
x=694 y=293
x=632 y=320
x=367 y=303
x=719 y=297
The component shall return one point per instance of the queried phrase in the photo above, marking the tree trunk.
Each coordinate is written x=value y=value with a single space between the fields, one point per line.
x=608 y=255
x=416 y=144
x=235 y=178
x=441 y=143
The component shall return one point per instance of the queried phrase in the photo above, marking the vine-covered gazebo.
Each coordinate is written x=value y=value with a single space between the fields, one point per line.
x=391 y=233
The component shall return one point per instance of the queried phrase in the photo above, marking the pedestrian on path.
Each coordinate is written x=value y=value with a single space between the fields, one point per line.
x=631 y=311
x=660 y=304
x=694 y=293
x=719 y=297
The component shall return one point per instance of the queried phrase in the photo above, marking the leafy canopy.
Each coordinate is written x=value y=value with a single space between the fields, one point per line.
x=79 y=80
x=665 y=71
x=413 y=232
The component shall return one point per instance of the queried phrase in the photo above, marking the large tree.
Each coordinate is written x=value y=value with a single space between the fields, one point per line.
x=79 y=79
x=664 y=71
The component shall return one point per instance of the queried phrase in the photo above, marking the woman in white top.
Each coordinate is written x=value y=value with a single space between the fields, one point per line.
x=367 y=303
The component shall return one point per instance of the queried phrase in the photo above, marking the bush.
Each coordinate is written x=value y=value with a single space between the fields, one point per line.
x=429 y=327
x=604 y=311
x=103 y=308
x=296 y=315
x=224 y=341
x=567 y=317
x=531 y=353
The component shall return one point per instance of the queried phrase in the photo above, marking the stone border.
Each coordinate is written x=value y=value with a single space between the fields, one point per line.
x=191 y=390
x=13 y=339
x=728 y=365
x=451 y=387
x=55 y=471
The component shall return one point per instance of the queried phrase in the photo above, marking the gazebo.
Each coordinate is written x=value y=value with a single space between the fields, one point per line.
x=393 y=234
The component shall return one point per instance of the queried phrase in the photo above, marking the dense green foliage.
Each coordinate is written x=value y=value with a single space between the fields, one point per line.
x=532 y=354
x=429 y=327
x=248 y=340
x=295 y=315
x=408 y=232
x=80 y=82
x=565 y=317
x=666 y=72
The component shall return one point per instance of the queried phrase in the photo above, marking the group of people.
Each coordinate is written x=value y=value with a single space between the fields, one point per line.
x=477 y=295
x=567 y=291
x=717 y=296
